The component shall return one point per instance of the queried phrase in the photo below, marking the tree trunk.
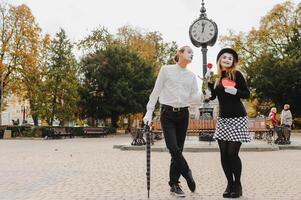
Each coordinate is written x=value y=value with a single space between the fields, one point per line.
x=62 y=123
x=35 y=120
x=54 y=103
x=1 y=98
x=53 y=110
x=114 y=119
x=91 y=121
x=0 y=108
x=1 y=85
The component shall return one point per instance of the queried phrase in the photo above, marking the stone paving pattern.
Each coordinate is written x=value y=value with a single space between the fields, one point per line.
x=91 y=169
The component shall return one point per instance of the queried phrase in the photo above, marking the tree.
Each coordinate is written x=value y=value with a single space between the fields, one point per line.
x=117 y=81
x=21 y=54
x=149 y=45
x=33 y=80
x=31 y=68
x=12 y=40
x=61 y=80
x=271 y=56
x=99 y=39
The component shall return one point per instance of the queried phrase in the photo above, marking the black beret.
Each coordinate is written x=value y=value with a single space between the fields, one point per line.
x=228 y=50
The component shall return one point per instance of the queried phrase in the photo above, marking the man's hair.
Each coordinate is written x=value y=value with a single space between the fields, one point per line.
x=181 y=50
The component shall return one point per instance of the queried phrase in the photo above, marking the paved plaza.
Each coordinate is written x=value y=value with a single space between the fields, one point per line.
x=91 y=169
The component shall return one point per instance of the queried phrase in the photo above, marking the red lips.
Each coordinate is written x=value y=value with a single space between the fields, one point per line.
x=228 y=82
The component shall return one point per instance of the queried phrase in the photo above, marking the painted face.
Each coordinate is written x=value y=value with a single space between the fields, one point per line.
x=188 y=54
x=227 y=60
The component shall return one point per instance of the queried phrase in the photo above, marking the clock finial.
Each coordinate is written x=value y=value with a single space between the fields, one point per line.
x=203 y=10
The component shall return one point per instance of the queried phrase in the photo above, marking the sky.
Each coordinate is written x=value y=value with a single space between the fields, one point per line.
x=171 y=18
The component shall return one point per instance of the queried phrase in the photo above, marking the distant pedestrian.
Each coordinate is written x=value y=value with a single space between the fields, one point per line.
x=286 y=121
x=286 y=116
x=272 y=117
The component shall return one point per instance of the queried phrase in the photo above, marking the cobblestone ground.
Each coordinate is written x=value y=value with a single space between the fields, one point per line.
x=91 y=169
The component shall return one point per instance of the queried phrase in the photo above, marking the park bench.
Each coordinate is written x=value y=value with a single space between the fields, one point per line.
x=259 y=127
x=95 y=131
x=57 y=133
x=2 y=130
x=201 y=127
x=196 y=127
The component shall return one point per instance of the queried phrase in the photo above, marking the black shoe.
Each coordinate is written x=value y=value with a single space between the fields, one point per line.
x=227 y=193
x=177 y=191
x=190 y=181
x=237 y=191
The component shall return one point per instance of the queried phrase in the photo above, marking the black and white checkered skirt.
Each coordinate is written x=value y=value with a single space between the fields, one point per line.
x=232 y=129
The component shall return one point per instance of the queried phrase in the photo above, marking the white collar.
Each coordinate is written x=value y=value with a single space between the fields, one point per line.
x=181 y=68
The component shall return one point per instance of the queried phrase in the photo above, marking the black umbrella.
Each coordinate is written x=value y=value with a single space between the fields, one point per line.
x=148 y=156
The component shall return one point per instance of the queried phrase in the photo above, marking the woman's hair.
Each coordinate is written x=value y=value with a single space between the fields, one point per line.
x=230 y=72
x=274 y=109
x=181 y=50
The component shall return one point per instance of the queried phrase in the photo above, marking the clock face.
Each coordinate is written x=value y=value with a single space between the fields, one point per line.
x=203 y=31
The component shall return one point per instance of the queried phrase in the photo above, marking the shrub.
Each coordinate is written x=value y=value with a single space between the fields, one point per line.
x=297 y=123
x=42 y=131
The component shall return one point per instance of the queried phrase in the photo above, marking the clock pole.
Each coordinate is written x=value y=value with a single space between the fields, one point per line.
x=203 y=33
x=204 y=52
x=204 y=46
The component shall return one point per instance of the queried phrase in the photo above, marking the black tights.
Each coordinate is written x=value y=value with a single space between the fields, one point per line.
x=230 y=160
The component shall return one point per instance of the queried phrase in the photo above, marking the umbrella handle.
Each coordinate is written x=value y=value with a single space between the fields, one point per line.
x=146 y=128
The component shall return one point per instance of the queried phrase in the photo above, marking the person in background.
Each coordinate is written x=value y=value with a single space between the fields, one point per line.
x=286 y=120
x=272 y=117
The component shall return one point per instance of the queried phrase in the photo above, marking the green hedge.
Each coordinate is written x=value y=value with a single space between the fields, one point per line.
x=297 y=123
x=41 y=131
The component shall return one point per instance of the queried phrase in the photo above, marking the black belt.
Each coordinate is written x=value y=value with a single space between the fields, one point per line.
x=173 y=108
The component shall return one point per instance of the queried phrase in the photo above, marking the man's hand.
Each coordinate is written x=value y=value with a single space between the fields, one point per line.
x=147 y=119
x=208 y=74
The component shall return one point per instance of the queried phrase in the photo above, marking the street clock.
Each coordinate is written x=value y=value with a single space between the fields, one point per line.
x=203 y=32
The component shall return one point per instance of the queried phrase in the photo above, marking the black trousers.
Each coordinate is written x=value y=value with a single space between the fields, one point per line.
x=174 y=126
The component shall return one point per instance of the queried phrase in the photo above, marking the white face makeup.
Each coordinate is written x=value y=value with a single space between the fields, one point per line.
x=188 y=54
x=227 y=60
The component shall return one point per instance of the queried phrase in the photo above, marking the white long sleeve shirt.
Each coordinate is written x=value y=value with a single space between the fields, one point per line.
x=175 y=86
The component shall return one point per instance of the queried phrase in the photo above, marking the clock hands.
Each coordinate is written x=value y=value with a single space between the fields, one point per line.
x=203 y=26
